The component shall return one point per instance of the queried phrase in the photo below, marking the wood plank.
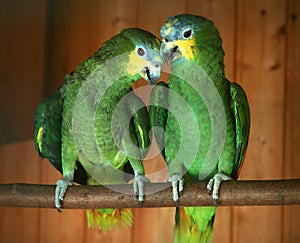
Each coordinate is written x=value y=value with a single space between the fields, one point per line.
x=19 y=164
x=261 y=69
x=67 y=226
x=68 y=41
x=22 y=25
x=292 y=118
x=114 y=236
x=154 y=225
x=222 y=225
x=162 y=9
x=80 y=30
x=257 y=224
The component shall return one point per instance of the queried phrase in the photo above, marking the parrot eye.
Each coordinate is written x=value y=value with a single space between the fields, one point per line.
x=141 y=51
x=187 y=33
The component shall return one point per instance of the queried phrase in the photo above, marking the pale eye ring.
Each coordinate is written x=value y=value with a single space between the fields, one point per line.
x=187 y=33
x=141 y=51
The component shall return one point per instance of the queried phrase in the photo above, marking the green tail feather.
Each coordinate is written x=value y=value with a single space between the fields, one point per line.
x=109 y=218
x=194 y=224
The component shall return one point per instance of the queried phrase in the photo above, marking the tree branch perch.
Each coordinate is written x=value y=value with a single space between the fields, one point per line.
x=232 y=193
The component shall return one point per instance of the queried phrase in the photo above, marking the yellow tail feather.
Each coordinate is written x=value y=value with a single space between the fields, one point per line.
x=108 y=219
x=194 y=224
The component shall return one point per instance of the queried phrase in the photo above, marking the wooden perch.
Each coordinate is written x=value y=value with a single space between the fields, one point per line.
x=232 y=193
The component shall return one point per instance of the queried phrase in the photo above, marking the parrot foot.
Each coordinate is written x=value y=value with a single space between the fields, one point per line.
x=60 y=190
x=177 y=187
x=213 y=185
x=138 y=187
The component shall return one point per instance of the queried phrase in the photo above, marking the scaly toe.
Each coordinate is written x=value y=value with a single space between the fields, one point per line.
x=141 y=203
x=138 y=187
x=60 y=190
x=177 y=187
x=215 y=202
x=213 y=186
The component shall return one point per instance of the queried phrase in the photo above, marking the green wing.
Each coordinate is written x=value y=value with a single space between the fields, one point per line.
x=139 y=130
x=47 y=124
x=241 y=111
x=140 y=122
x=158 y=114
x=47 y=134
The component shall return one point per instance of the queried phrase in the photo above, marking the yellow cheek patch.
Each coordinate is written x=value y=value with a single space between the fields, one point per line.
x=135 y=63
x=186 y=47
x=39 y=138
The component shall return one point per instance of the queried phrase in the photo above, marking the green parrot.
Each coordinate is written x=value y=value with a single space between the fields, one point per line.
x=200 y=120
x=94 y=129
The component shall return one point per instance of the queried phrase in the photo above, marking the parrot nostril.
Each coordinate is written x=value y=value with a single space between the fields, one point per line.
x=174 y=49
x=148 y=73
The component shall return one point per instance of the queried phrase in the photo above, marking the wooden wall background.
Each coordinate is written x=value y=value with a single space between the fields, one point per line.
x=41 y=41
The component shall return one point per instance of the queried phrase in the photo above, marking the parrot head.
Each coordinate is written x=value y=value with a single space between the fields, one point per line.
x=144 y=57
x=188 y=36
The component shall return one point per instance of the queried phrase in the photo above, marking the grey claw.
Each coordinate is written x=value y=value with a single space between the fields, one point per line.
x=60 y=190
x=215 y=202
x=213 y=185
x=176 y=203
x=209 y=191
x=141 y=203
x=138 y=187
x=177 y=187
x=59 y=210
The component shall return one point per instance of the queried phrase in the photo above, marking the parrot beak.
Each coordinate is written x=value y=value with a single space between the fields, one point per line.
x=152 y=72
x=168 y=51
